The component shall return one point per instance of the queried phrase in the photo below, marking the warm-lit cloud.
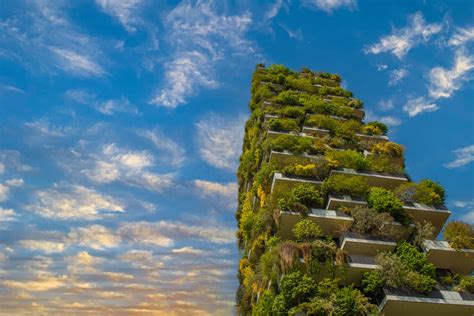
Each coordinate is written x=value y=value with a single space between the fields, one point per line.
x=113 y=163
x=43 y=245
x=463 y=156
x=6 y=186
x=188 y=251
x=94 y=237
x=209 y=188
x=219 y=140
x=7 y=214
x=69 y=202
x=403 y=40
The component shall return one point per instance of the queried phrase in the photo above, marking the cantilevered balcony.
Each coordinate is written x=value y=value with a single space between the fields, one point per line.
x=372 y=138
x=284 y=158
x=365 y=245
x=396 y=302
x=388 y=181
x=437 y=215
x=356 y=266
x=275 y=134
x=337 y=200
x=314 y=131
x=268 y=117
x=396 y=161
x=443 y=256
x=283 y=182
x=330 y=222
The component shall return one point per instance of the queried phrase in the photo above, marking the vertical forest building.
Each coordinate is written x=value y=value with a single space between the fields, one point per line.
x=329 y=221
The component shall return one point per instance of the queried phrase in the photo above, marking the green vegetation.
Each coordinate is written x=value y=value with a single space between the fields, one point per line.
x=459 y=235
x=294 y=267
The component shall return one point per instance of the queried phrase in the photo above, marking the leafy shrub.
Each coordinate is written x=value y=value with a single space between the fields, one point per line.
x=296 y=288
x=383 y=164
x=321 y=121
x=317 y=170
x=343 y=184
x=294 y=144
x=346 y=158
x=282 y=124
x=288 y=97
x=367 y=221
x=423 y=231
x=292 y=112
x=426 y=192
x=388 y=148
x=383 y=200
x=371 y=281
x=278 y=70
x=329 y=76
x=347 y=129
x=466 y=284
x=264 y=304
x=459 y=235
x=306 y=231
x=414 y=259
x=356 y=104
x=307 y=195
x=378 y=128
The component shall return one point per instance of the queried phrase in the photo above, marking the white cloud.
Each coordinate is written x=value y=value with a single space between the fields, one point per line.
x=385 y=105
x=415 y=106
x=273 y=10
x=71 y=202
x=117 y=276
x=77 y=63
x=397 y=75
x=188 y=251
x=463 y=155
x=7 y=214
x=123 y=10
x=145 y=233
x=130 y=167
x=43 y=27
x=201 y=38
x=462 y=36
x=164 y=233
x=172 y=152
x=382 y=67
x=208 y=188
x=329 y=6
x=107 y=107
x=46 y=246
x=444 y=82
x=6 y=186
x=96 y=237
x=468 y=215
x=386 y=119
x=46 y=128
x=219 y=140
x=404 y=39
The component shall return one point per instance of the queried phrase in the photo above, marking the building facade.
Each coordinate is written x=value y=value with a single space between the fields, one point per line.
x=329 y=221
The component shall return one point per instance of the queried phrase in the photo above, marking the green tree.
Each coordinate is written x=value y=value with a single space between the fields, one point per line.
x=306 y=231
x=459 y=235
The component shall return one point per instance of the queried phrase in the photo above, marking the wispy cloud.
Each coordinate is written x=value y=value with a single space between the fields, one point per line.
x=7 y=214
x=468 y=215
x=416 y=106
x=107 y=106
x=95 y=237
x=209 y=188
x=403 y=40
x=444 y=82
x=386 y=119
x=113 y=163
x=201 y=37
x=397 y=75
x=462 y=36
x=385 y=105
x=463 y=156
x=45 y=128
x=44 y=28
x=219 y=140
x=329 y=6
x=73 y=202
x=171 y=152
x=6 y=186
x=125 y=11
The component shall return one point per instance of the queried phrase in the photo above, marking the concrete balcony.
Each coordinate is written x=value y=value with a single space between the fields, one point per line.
x=268 y=117
x=372 y=138
x=388 y=181
x=436 y=215
x=275 y=134
x=316 y=132
x=443 y=256
x=395 y=302
x=285 y=182
x=285 y=158
x=365 y=245
x=338 y=200
x=330 y=222
x=355 y=267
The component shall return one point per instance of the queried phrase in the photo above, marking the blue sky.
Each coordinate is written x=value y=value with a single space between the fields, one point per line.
x=121 y=125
